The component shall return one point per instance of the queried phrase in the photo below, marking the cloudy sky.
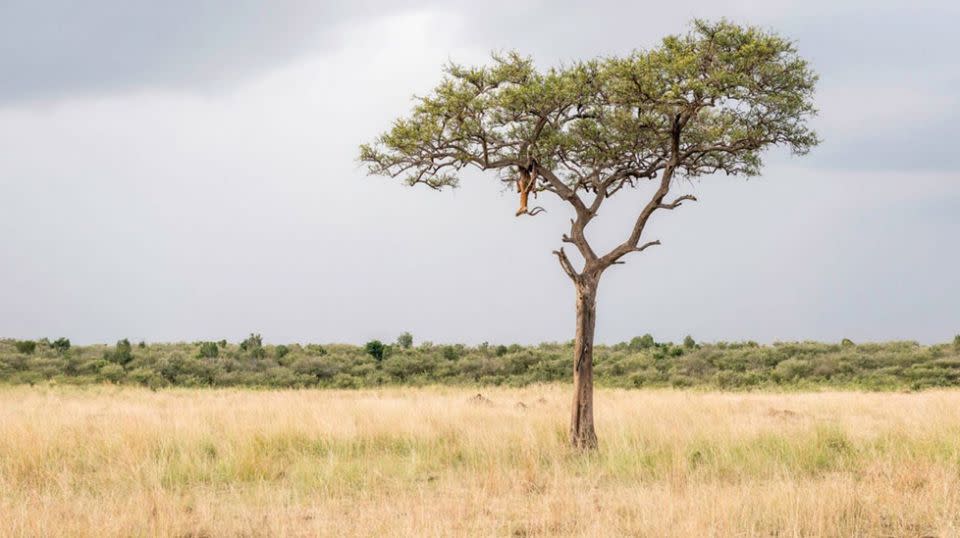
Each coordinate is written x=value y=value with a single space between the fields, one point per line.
x=186 y=170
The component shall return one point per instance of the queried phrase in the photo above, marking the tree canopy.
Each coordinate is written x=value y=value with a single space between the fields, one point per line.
x=707 y=101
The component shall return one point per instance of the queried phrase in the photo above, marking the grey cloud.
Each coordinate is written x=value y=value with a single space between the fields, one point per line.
x=172 y=216
x=928 y=146
x=62 y=48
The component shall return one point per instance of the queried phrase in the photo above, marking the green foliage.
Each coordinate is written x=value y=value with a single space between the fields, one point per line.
x=792 y=369
x=208 y=350
x=689 y=342
x=26 y=347
x=61 y=345
x=721 y=365
x=956 y=342
x=642 y=342
x=846 y=342
x=251 y=342
x=405 y=340
x=123 y=349
x=111 y=372
x=122 y=353
x=316 y=367
x=316 y=349
x=375 y=349
x=281 y=351
x=452 y=353
x=253 y=346
x=731 y=91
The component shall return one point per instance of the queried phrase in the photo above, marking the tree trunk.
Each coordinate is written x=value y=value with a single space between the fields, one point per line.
x=582 y=433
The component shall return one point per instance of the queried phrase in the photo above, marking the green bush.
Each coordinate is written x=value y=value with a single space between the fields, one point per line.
x=316 y=367
x=26 y=347
x=122 y=353
x=208 y=350
x=403 y=367
x=251 y=342
x=61 y=345
x=405 y=340
x=375 y=349
x=344 y=381
x=147 y=378
x=792 y=370
x=642 y=342
x=253 y=345
x=316 y=349
x=111 y=372
x=452 y=353
x=730 y=366
x=689 y=342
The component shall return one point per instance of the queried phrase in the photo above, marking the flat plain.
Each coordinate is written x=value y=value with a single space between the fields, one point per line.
x=438 y=461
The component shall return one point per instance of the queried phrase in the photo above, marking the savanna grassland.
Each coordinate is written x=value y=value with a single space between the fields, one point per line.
x=105 y=460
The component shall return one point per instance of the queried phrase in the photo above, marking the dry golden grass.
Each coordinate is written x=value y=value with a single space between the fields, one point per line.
x=105 y=461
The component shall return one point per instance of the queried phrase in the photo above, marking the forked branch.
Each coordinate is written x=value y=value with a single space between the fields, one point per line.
x=641 y=248
x=566 y=265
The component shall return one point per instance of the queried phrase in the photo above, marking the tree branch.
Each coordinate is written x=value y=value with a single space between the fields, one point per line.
x=678 y=202
x=566 y=265
x=630 y=245
x=561 y=189
x=641 y=248
x=644 y=246
x=584 y=213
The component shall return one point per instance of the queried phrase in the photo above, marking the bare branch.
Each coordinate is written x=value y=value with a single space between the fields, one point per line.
x=678 y=202
x=577 y=236
x=630 y=244
x=644 y=246
x=641 y=248
x=566 y=265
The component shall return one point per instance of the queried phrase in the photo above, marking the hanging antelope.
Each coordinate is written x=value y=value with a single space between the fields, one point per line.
x=526 y=183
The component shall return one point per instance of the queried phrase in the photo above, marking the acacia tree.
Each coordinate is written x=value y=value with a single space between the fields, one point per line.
x=708 y=101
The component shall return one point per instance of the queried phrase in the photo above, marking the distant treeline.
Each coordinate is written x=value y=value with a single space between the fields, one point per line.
x=642 y=362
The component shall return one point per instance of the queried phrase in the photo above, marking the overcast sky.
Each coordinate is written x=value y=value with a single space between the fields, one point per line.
x=186 y=170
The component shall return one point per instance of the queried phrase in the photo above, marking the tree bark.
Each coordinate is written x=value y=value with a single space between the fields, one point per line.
x=582 y=433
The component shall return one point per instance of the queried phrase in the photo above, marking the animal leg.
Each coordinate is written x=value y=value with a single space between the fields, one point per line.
x=524 y=196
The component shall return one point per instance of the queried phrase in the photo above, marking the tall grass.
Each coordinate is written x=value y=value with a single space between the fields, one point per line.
x=107 y=461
